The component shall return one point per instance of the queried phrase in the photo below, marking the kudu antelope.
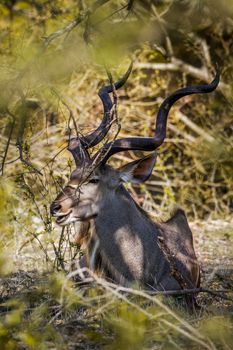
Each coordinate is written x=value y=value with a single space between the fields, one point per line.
x=127 y=244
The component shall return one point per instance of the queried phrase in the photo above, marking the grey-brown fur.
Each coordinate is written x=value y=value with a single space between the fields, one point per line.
x=128 y=247
x=125 y=244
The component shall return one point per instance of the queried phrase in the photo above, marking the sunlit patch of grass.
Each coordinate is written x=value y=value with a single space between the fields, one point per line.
x=57 y=314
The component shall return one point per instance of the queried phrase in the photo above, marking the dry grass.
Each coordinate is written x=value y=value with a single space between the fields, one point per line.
x=40 y=308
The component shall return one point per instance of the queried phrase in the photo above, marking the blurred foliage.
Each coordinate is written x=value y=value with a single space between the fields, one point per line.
x=39 y=315
x=6 y=190
x=52 y=57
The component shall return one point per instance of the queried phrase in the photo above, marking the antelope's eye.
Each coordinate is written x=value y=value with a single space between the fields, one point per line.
x=95 y=180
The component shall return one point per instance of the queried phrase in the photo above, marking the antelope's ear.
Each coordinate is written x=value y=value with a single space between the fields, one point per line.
x=139 y=170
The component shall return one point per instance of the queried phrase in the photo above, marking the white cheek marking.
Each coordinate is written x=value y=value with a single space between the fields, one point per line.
x=93 y=255
x=68 y=221
x=62 y=214
x=73 y=186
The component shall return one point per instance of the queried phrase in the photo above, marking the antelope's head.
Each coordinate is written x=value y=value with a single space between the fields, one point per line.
x=93 y=179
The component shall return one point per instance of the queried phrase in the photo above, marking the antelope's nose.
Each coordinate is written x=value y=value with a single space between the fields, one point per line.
x=54 y=208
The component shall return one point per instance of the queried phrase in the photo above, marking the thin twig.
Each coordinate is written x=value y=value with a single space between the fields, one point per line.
x=187 y=330
x=8 y=141
x=185 y=291
x=79 y=19
x=177 y=65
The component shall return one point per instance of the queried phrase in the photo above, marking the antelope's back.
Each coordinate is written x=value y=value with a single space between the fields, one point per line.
x=179 y=240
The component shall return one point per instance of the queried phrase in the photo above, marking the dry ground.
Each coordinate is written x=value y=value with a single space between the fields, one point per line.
x=213 y=241
x=84 y=328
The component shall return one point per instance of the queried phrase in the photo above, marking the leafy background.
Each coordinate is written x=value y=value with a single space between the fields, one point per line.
x=52 y=56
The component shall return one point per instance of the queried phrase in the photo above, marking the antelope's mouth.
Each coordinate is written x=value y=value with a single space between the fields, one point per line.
x=62 y=218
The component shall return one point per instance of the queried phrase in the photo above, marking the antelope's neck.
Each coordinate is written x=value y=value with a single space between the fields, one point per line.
x=127 y=237
x=120 y=212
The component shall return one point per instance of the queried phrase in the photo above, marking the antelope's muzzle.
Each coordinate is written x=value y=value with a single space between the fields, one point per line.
x=54 y=208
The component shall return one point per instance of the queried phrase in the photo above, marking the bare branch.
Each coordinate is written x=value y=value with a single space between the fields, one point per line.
x=79 y=19
x=220 y=293
x=194 y=127
x=20 y=136
x=12 y=125
x=177 y=65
